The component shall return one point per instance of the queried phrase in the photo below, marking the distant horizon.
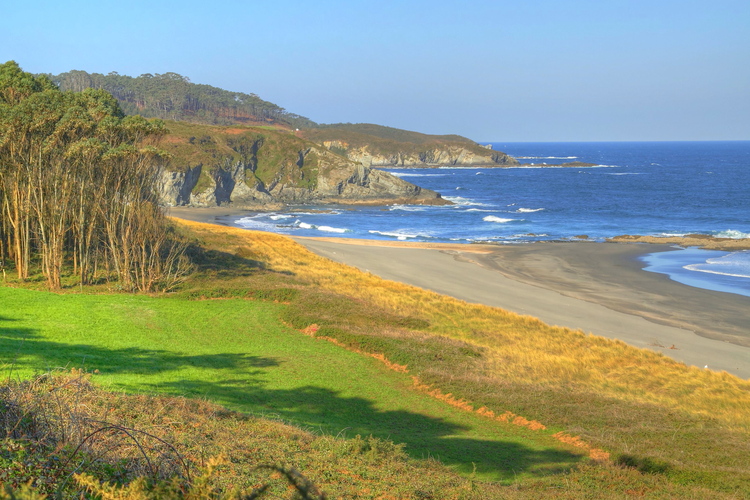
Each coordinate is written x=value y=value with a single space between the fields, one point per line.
x=605 y=141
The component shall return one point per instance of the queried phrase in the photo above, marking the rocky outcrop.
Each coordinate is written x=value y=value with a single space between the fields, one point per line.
x=438 y=157
x=318 y=176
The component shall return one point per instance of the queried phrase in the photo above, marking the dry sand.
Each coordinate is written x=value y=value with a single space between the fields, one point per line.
x=599 y=288
x=595 y=287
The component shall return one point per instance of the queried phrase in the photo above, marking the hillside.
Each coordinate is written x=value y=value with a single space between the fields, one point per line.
x=379 y=146
x=171 y=96
x=252 y=166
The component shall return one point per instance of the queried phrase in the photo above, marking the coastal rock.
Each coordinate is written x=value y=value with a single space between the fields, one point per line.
x=448 y=156
x=318 y=176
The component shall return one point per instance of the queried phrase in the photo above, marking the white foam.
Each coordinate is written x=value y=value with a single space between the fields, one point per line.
x=280 y=216
x=499 y=220
x=528 y=210
x=735 y=264
x=478 y=210
x=329 y=229
x=401 y=235
x=320 y=213
x=408 y=208
x=303 y=225
x=255 y=223
x=464 y=202
x=731 y=233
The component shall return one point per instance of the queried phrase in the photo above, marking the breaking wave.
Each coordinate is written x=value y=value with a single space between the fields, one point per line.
x=499 y=220
x=735 y=264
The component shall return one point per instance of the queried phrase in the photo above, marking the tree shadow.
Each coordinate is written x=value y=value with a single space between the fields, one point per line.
x=326 y=411
x=31 y=352
x=319 y=409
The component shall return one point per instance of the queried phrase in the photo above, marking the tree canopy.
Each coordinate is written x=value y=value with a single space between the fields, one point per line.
x=78 y=184
x=174 y=97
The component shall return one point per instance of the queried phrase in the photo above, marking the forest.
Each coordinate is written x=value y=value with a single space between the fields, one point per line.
x=78 y=188
x=171 y=96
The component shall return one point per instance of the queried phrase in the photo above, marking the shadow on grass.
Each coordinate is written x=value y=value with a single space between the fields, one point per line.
x=319 y=409
x=326 y=411
x=25 y=350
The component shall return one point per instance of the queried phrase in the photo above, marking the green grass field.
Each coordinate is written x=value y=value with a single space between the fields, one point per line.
x=237 y=353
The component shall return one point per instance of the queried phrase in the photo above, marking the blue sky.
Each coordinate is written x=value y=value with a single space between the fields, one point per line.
x=533 y=70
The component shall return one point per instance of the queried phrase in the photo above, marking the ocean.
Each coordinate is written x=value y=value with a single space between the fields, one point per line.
x=644 y=188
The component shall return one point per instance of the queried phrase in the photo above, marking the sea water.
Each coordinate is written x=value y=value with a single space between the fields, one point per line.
x=644 y=188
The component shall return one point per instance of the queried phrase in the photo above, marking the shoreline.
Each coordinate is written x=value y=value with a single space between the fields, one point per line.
x=597 y=287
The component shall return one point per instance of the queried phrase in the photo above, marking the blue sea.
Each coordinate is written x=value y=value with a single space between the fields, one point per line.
x=644 y=188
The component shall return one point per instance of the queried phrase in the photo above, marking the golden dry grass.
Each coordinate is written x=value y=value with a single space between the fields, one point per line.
x=521 y=349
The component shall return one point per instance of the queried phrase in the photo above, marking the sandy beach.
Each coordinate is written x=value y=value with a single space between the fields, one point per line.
x=599 y=288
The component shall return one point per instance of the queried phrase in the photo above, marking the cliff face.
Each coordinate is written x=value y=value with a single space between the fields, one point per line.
x=251 y=168
x=447 y=156
x=378 y=146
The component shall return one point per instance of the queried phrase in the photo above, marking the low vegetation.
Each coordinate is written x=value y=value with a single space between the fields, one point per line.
x=385 y=140
x=382 y=375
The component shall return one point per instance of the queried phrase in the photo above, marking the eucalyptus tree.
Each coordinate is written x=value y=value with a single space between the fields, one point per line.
x=78 y=180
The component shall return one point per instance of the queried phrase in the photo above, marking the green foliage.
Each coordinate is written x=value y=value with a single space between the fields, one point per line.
x=58 y=149
x=385 y=140
x=174 y=97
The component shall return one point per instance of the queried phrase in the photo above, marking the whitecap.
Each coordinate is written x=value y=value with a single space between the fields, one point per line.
x=329 y=229
x=280 y=216
x=255 y=223
x=400 y=235
x=528 y=210
x=408 y=208
x=464 y=202
x=731 y=233
x=494 y=218
x=735 y=264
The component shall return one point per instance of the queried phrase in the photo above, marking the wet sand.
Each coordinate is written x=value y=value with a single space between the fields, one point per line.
x=599 y=288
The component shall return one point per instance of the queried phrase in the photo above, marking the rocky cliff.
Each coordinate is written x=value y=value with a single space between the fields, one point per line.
x=445 y=156
x=247 y=167
x=378 y=146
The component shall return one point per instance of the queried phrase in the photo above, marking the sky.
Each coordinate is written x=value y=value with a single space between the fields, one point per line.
x=504 y=71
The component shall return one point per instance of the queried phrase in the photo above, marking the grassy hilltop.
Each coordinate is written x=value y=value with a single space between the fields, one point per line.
x=508 y=406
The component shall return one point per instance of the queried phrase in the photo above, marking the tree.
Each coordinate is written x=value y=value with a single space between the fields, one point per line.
x=78 y=181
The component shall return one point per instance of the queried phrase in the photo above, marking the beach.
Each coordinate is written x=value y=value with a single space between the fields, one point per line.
x=599 y=288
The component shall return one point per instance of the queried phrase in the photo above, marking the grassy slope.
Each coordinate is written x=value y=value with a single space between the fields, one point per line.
x=387 y=140
x=236 y=352
x=689 y=428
